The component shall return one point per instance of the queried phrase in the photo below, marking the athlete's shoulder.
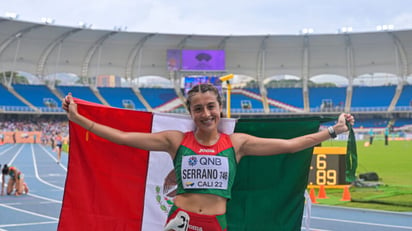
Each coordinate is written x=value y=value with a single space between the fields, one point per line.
x=239 y=137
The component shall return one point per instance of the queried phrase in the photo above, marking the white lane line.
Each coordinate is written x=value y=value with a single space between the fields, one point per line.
x=26 y=224
x=44 y=198
x=5 y=151
x=304 y=228
x=14 y=203
x=36 y=172
x=54 y=158
x=29 y=212
x=15 y=156
x=363 y=223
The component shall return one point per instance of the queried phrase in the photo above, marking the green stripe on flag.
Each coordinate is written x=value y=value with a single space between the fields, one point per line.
x=268 y=193
x=351 y=156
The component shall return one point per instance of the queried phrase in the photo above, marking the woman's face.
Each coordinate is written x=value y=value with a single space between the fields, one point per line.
x=205 y=110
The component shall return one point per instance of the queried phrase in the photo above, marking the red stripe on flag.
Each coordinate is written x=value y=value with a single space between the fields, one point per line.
x=105 y=182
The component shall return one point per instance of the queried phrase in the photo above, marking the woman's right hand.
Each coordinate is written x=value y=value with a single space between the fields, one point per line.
x=69 y=106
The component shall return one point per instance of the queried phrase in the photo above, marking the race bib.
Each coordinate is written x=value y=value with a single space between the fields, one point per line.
x=205 y=172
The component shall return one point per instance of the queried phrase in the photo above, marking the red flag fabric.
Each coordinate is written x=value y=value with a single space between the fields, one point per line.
x=103 y=188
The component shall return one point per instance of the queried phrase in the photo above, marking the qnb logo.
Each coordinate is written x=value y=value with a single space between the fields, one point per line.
x=206 y=150
x=192 y=161
x=210 y=161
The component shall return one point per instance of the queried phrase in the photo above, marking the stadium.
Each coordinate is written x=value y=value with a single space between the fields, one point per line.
x=369 y=73
x=275 y=76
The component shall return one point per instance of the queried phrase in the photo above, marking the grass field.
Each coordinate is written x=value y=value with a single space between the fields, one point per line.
x=392 y=163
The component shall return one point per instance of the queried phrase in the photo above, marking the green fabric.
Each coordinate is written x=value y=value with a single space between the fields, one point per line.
x=351 y=156
x=172 y=210
x=222 y=221
x=268 y=193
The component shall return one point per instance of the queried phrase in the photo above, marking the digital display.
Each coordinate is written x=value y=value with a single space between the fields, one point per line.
x=328 y=166
x=191 y=81
x=203 y=60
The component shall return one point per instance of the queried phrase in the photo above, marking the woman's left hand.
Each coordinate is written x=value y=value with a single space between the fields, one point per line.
x=340 y=126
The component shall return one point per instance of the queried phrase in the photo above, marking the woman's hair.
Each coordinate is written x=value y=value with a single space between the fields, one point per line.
x=202 y=88
x=5 y=170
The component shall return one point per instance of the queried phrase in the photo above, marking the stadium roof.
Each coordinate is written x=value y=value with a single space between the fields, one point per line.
x=44 y=49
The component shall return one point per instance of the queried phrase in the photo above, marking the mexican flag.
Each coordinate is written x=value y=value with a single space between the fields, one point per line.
x=115 y=187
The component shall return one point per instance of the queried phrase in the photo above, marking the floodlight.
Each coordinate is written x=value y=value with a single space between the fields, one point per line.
x=47 y=20
x=384 y=27
x=85 y=25
x=307 y=31
x=120 y=28
x=345 y=30
x=11 y=15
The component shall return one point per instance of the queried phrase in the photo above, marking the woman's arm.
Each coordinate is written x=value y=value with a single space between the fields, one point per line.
x=167 y=141
x=3 y=180
x=16 y=174
x=251 y=145
x=17 y=182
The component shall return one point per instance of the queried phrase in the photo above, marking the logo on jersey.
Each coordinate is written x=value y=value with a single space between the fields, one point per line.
x=189 y=184
x=192 y=161
x=206 y=150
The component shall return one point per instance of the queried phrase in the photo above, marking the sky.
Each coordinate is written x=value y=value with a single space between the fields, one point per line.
x=218 y=17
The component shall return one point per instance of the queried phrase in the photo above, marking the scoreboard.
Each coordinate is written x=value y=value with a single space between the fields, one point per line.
x=328 y=166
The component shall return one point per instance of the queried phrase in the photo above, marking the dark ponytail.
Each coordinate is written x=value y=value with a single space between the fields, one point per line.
x=5 y=169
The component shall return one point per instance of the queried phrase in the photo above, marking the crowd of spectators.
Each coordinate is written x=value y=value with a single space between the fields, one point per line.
x=47 y=126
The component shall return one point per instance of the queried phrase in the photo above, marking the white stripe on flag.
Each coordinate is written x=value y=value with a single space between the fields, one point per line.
x=157 y=203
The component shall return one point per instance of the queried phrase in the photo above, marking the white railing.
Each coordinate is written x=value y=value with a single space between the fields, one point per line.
x=368 y=109
x=16 y=108
x=246 y=111
x=50 y=109
x=331 y=109
x=403 y=108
